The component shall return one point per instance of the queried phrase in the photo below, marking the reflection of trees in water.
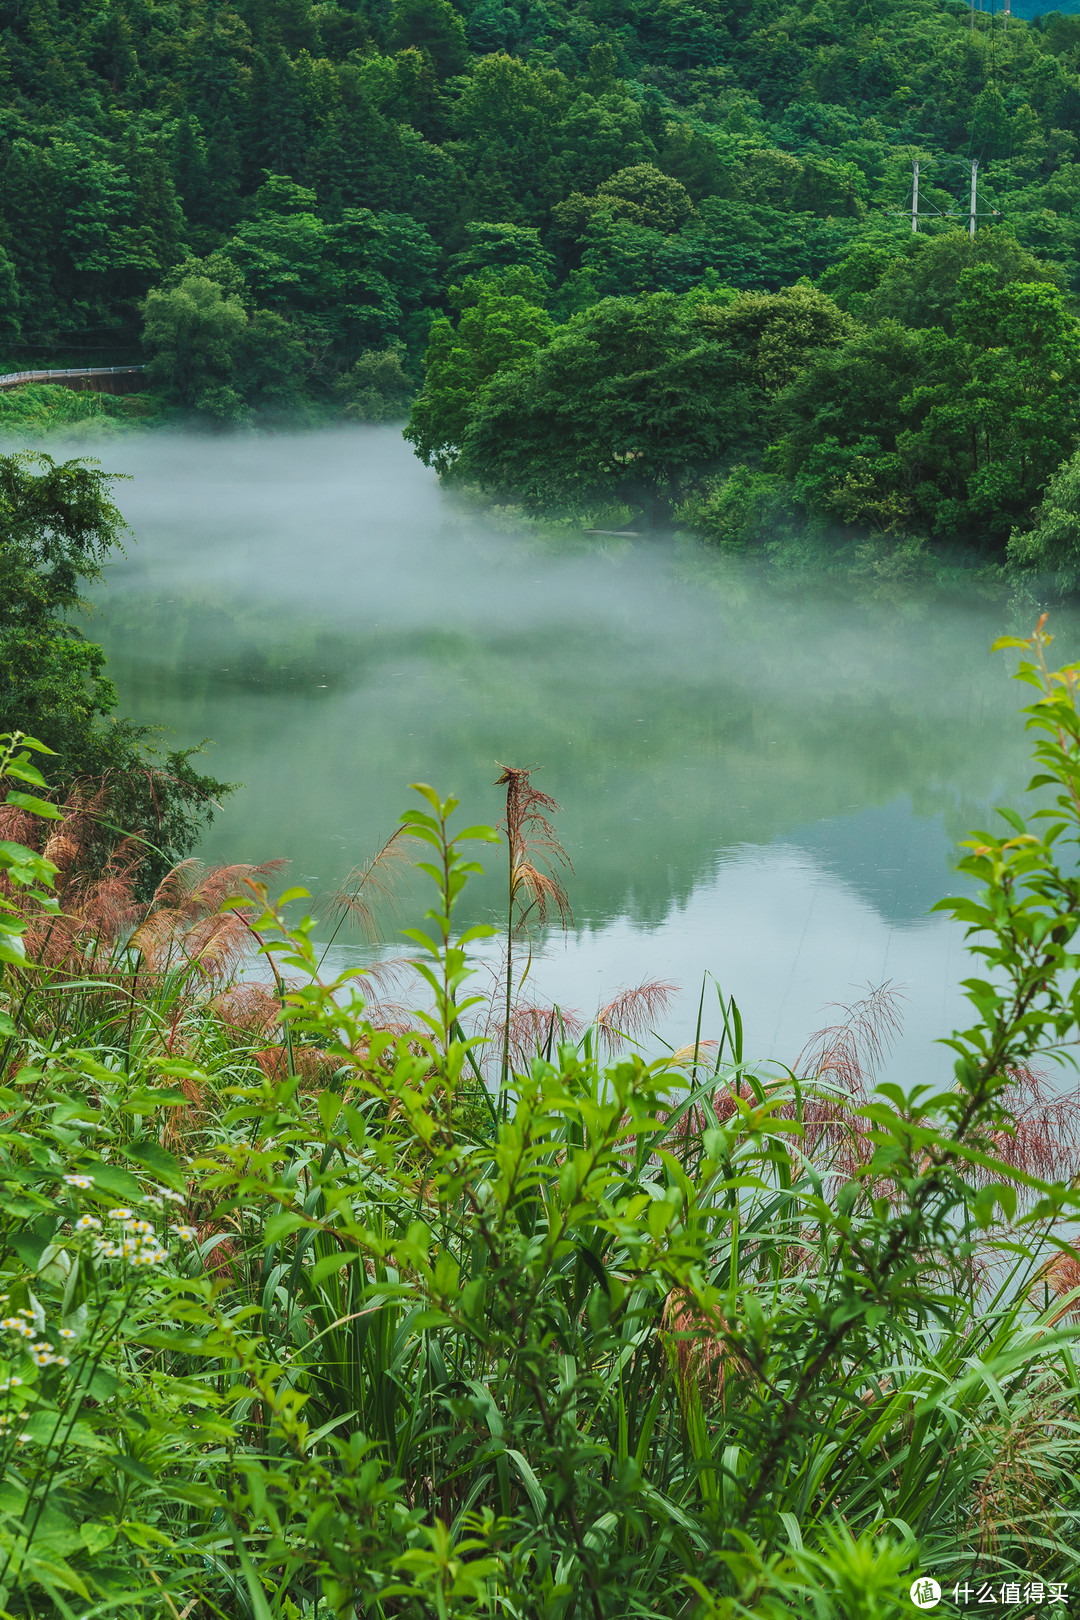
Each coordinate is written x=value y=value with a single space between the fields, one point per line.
x=757 y=716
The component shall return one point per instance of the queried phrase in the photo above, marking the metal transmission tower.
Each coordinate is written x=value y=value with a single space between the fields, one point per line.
x=972 y=213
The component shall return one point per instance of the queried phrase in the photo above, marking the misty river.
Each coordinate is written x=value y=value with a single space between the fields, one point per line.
x=764 y=783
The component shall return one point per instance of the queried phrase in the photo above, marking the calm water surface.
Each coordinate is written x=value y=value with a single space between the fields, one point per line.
x=765 y=784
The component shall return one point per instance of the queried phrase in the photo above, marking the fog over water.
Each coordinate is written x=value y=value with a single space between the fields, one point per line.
x=766 y=783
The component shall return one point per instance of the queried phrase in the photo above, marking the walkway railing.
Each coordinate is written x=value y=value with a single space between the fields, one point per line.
x=12 y=379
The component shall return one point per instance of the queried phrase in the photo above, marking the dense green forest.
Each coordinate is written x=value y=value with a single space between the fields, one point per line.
x=293 y=209
x=374 y=1294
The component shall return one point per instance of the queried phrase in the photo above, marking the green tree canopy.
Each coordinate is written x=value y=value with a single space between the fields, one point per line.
x=1050 y=545
x=500 y=247
x=625 y=402
x=769 y=338
x=921 y=288
x=58 y=525
x=191 y=333
x=644 y=195
x=498 y=331
x=434 y=27
x=953 y=435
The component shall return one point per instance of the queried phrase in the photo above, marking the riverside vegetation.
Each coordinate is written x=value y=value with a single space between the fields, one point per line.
x=305 y=1318
x=623 y=256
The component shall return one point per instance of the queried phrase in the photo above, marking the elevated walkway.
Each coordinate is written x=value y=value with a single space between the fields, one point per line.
x=103 y=379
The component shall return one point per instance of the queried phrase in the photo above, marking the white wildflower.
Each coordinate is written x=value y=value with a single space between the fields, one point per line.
x=79 y=1181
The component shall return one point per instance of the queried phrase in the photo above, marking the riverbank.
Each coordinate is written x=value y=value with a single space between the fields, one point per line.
x=39 y=411
x=773 y=534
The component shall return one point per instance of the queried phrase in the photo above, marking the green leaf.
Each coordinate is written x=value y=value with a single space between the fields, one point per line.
x=96 y=1536
x=111 y=1179
x=161 y=1164
x=255 y=1589
x=532 y=1485
x=36 y=807
x=282 y=1224
x=329 y=1109
x=146 y=1099
x=330 y=1265
x=133 y=1468
x=32 y=1243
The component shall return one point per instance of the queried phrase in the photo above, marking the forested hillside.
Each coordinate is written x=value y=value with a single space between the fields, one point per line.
x=275 y=200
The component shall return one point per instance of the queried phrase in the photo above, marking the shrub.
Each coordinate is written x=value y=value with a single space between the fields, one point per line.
x=654 y=1338
x=1050 y=548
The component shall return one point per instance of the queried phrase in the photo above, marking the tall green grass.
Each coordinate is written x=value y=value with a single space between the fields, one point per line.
x=38 y=410
x=331 y=1334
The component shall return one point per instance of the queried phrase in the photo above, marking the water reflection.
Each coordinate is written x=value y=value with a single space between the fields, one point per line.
x=764 y=782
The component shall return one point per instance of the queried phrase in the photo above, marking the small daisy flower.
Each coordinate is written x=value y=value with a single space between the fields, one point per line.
x=22 y=1439
x=61 y=1361
x=79 y=1181
x=87 y=1223
x=41 y=1358
x=184 y=1233
x=66 y=1333
x=139 y=1226
x=120 y=1213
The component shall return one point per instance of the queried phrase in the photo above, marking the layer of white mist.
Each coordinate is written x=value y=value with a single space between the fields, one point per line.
x=347 y=628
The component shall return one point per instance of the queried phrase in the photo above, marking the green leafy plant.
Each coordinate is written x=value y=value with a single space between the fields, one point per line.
x=671 y=1338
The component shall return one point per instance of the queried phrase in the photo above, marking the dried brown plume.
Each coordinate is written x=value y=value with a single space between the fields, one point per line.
x=531 y=839
x=632 y=1012
x=370 y=888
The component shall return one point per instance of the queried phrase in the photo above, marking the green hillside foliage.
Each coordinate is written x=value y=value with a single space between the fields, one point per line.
x=37 y=410
x=278 y=198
